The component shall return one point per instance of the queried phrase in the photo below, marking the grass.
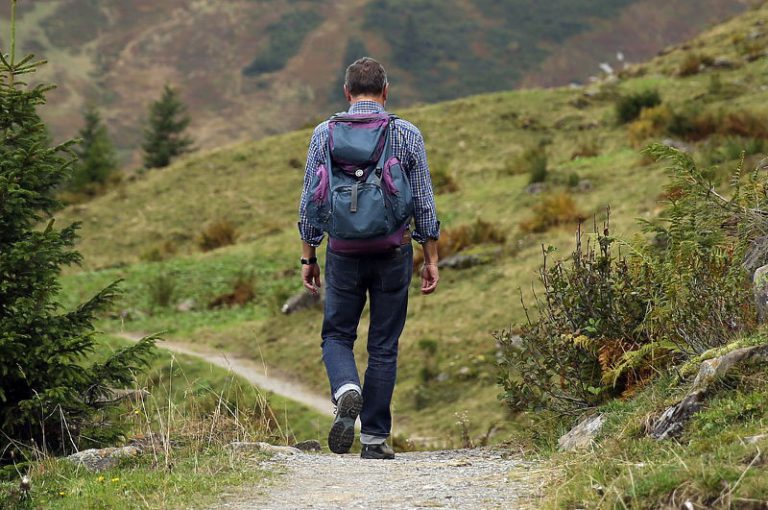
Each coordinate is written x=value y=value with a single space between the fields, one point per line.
x=192 y=412
x=710 y=465
x=256 y=188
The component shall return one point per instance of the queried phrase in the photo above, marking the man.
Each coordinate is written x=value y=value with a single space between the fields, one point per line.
x=384 y=276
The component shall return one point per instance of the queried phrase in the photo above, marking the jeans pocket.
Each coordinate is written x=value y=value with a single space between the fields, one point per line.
x=341 y=272
x=395 y=273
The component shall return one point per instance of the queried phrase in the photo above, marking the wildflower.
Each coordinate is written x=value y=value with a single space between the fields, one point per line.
x=100 y=478
x=62 y=493
x=115 y=480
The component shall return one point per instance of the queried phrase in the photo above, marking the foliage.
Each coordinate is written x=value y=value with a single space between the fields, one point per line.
x=462 y=237
x=162 y=290
x=608 y=322
x=693 y=64
x=285 y=38
x=217 y=234
x=48 y=392
x=629 y=107
x=164 y=137
x=96 y=155
x=552 y=210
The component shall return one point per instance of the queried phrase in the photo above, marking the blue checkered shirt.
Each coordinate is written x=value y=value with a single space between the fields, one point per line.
x=408 y=147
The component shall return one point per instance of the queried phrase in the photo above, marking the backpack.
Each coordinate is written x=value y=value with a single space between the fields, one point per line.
x=361 y=195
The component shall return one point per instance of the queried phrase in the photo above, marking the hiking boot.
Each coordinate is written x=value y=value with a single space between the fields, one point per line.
x=342 y=433
x=377 y=451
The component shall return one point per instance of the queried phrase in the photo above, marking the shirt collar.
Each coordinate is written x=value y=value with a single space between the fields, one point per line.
x=365 y=107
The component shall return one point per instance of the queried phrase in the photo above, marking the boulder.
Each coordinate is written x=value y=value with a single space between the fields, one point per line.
x=672 y=420
x=311 y=445
x=102 y=459
x=536 y=188
x=186 y=306
x=760 y=290
x=582 y=436
x=459 y=261
x=247 y=446
x=302 y=300
x=724 y=63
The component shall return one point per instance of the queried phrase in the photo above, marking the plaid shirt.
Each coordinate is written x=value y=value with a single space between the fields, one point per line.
x=408 y=147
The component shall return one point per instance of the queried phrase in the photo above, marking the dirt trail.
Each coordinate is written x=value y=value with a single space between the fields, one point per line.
x=255 y=373
x=450 y=479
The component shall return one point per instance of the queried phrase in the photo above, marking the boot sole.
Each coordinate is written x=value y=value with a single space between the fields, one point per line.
x=342 y=433
x=376 y=456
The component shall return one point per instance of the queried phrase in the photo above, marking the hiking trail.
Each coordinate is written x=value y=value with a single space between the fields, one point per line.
x=449 y=479
x=480 y=478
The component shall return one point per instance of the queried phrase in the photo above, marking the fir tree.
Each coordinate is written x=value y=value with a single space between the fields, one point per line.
x=164 y=138
x=96 y=154
x=48 y=388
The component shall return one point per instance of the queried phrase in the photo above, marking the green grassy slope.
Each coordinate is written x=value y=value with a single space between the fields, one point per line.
x=475 y=141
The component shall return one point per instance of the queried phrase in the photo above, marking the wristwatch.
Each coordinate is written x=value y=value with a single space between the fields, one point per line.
x=312 y=260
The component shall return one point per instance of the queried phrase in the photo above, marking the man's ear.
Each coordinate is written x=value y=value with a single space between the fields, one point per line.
x=385 y=93
x=347 y=95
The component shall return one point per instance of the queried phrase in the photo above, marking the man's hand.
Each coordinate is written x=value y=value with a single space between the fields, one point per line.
x=430 y=276
x=310 y=276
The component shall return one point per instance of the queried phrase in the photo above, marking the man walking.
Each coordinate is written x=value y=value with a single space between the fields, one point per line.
x=366 y=172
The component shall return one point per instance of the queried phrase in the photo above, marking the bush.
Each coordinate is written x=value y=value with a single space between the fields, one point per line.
x=552 y=210
x=443 y=182
x=534 y=161
x=628 y=108
x=217 y=234
x=586 y=148
x=608 y=323
x=162 y=290
x=652 y=122
x=693 y=64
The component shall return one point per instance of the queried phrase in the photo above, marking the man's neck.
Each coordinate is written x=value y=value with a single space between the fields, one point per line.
x=359 y=99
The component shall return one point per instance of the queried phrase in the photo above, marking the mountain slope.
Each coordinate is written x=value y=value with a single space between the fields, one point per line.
x=253 y=68
x=448 y=354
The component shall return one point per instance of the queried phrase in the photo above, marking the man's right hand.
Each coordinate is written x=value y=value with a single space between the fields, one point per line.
x=430 y=276
x=310 y=276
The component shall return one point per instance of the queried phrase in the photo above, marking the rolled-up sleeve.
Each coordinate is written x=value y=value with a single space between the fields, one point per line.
x=425 y=211
x=310 y=234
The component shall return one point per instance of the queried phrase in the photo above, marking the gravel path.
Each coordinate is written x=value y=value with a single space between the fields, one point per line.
x=475 y=479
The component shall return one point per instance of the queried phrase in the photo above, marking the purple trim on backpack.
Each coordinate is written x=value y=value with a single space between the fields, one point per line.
x=386 y=176
x=368 y=246
x=321 y=193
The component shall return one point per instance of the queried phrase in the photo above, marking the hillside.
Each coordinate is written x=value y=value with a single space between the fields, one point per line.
x=249 y=69
x=145 y=232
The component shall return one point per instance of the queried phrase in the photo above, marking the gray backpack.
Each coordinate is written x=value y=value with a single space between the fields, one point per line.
x=361 y=195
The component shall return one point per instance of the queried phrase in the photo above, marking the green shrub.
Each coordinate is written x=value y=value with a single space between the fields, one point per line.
x=550 y=211
x=607 y=323
x=628 y=108
x=693 y=63
x=217 y=234
x=162 y=290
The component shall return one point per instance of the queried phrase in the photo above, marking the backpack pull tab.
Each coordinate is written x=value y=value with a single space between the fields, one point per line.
x=353 y=201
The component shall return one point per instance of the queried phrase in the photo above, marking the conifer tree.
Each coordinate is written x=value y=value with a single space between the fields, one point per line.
x=96 y=154
x=164 y=137
x=48 y=388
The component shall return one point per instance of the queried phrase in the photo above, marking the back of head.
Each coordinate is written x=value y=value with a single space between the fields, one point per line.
x=365 y=77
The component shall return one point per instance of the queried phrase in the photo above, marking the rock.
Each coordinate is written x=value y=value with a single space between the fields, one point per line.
x=247 y=446
x=301 y=301
x=536 y=188
x=186 y=306
x=713 y=369
x=459 y=261
x=102 y=459
x=115 y=395
x=584 y=186
x=677 y=144
x=582 y=436
x=671 y=422
x=756 y=256
x=723 y=63
x=756 y=439
x=311 y=445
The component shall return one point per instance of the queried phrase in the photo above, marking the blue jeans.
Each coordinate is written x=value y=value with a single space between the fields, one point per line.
x=349 y=279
